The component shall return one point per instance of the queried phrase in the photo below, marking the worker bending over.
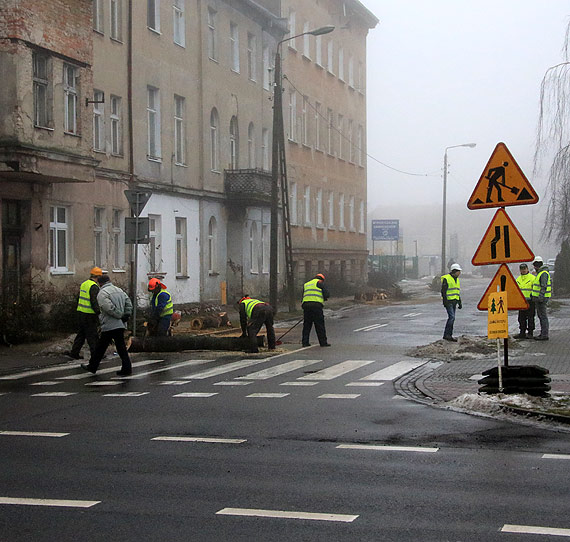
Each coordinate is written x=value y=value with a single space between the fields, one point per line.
x=254 y=313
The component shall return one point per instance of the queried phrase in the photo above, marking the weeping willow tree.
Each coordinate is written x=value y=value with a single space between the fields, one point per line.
x=553 y=139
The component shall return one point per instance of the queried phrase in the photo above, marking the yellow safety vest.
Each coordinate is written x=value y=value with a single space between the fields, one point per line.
x=526 y=283
x=84 y=302
x=249 y=304
x=312 y=293
x=536 y=285
x=169 y=308
x=453 y=288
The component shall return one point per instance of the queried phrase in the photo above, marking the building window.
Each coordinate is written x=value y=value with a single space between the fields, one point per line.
x=212 y=35
x=153 y=15
x=234 y=143
x=212 y=245
x=293 y=203
x=307 y=206
x=267 y=67
x=116 y=127
x=98 y=122
x=319 y=50
x=99 y=236
x=331 y=209
x=117 y=240
x=351 y=213
x=341 y=211
x=292 y=18
x=251 y=146
x=265 y=149
x=351 y=72
x=41 y=91
x=58 y=238
x=330 y=128
x=265 y=238
x=330 y=57
x=70 y=89
x=317 y=126
x=362 y=216
x=98 y=15
x=360 y=149
x=116 y=20
x=214 y=141
x=305 y=122
x=253 y=248
x=341 y=144
x=293 y=115
x=306 y=41
x=234 y=46
x=179 y=130
x=153 y=121
x=319 y=207
x=179 y=23
x=341 y=64
x=360 y=78
x=251 y=56
x=181 y=248
x=350 y=141
x=155 y=243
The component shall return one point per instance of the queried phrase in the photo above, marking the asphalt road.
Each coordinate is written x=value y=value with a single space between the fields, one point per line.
x=310 y=445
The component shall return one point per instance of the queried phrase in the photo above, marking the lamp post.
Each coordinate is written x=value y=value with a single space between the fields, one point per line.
x=443 y=221
x=278 y=167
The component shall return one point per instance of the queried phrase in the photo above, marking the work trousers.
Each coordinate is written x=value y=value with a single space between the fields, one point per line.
x=313 y=314
x=118 y=337
x=450 y=307
x=542 y=316
x=526 y=319
x=260 y=315
x=88 y=330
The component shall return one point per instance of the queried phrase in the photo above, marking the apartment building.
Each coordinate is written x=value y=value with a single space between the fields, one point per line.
x=325 y=117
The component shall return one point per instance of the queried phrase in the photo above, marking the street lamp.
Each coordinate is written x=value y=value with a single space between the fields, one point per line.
x=279 y=169
x=443 y=223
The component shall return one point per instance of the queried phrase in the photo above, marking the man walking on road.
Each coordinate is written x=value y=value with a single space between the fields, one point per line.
x=87 y=315
x=116 y=308
x=526 y=317
x=541 y=293
x=315 y=293
x=450 y=293
x=257 y=313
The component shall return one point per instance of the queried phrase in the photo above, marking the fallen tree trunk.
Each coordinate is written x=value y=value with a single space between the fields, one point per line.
x=177 y=343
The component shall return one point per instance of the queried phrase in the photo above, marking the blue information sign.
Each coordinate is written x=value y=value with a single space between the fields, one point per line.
x=385 y=230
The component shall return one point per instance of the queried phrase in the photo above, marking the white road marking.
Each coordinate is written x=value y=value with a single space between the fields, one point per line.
x=46 y=383
x=186 y=363
x=339 y=396
x=127 y=394
x=280 y=369
x=394 y=371
x=35 y=372
x=202 y=439
x=370 y=328
x=269 y=395
x=299 y=384
x=254 y=512
x=382 y=448
x=365 y=384
x=87 y=374
x=48 y=502
x=32 y=434
x=411 y=314
x=476 y=377
x=555 y=456
x=195 y=394
x=336 y=370
x=104 y=383
x=173 y=382
x=54 y=394
x=232 y=383
x=531 y=529
x=217 y=371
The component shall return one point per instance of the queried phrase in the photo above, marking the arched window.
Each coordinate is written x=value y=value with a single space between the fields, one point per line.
x=234 y=143
x=214 y=140
x=251 y=146
x=212 y=245
x=253 y=248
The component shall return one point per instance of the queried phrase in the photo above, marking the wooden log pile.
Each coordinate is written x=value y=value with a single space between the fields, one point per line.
x=177 y=343
x=211 y=320
x=370 y=295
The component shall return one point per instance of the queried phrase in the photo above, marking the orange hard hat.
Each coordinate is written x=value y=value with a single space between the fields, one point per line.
x=153 y=283
x=96 y=272
x=243 y=298
x=320 y=276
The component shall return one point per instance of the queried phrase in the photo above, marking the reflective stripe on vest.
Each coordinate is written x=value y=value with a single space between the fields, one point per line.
x=453 y=288
x=168 y=309
x=536 y=285
x=311 y=292
x=84 y=302
x=525 y=283
x=249 y=304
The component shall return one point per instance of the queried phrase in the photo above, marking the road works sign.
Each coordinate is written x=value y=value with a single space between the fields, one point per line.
x=502 y=243
x=502 y=183
x=498 y=317
x=502 y=282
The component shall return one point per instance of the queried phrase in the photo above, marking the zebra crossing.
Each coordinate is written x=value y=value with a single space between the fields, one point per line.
x=68 y=380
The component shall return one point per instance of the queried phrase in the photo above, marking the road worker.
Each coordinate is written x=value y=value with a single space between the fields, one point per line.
x=253 y=314
x=315 y=293
x=450 y=293
x=541 y=293
x=161 y=309
x=526 y=317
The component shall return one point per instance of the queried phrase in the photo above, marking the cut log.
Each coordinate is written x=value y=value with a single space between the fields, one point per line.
x=181 y=342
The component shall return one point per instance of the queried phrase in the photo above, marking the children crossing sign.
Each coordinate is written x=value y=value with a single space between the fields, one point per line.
x=498 y=316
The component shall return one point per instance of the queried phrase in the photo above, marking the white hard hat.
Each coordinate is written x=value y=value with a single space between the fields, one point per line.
x=538 y=259
x=455 y=267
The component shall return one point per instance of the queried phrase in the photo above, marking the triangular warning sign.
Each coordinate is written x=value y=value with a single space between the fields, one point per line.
x=503 y=281
x=502 y=183
x=502 y=243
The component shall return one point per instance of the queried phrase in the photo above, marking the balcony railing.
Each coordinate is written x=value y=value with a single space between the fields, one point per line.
x=248 y=185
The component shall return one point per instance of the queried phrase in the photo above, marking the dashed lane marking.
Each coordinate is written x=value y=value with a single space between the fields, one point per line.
x=411 y=314
x=232 y=383
x=370 y=328
x=339 y=396
x=173 y=382
x=555 y=456
x=46 y=383
x=127 y=394
x=35 y=372
x=208 y=440
x=284 y=514
x=54 y=394
x=48 y=502
x=32 y=434
x=268 y=395
x=365 y=384
x=382 y=448
x=299 y=384
x=280 y=369
x=104 y=383
x=394 y=371
x=195 y=394
x=337 y=370
x=532 y=529
x=86 y=374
